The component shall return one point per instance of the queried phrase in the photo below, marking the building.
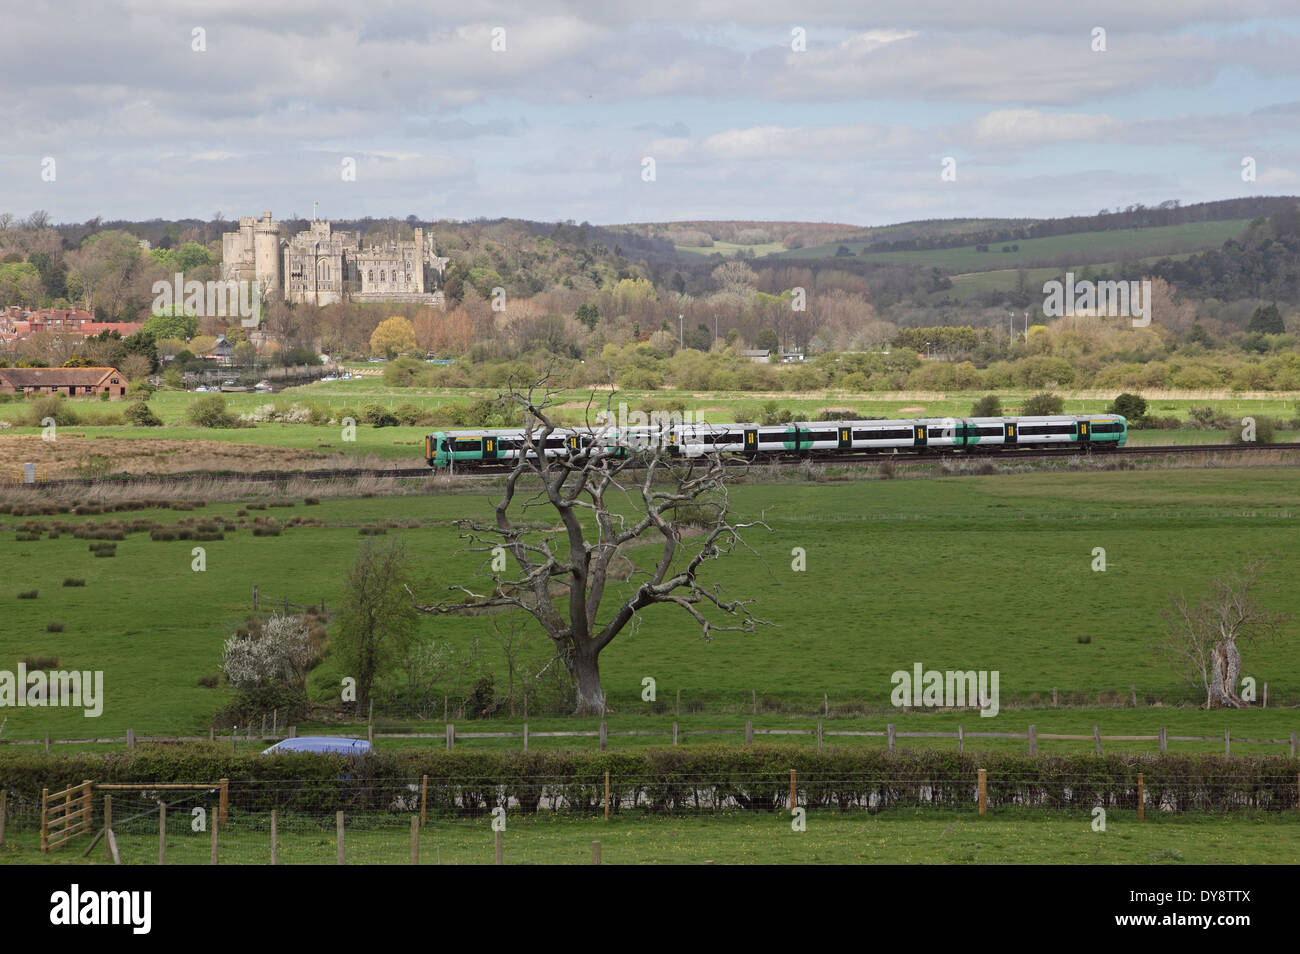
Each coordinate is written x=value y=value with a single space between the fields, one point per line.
x=16 y=325
x=322 y=266
x=757 y=355
x=74 y=382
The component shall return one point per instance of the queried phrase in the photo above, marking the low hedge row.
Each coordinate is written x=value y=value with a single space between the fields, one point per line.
x=698 y=778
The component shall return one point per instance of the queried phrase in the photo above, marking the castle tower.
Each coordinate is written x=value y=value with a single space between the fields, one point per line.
x=266 y=253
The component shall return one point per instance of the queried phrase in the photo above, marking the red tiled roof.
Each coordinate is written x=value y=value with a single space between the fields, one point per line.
x=57 y=377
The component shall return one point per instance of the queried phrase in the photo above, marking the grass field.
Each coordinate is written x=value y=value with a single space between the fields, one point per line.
x=900 y=837
x=955 y=573
x=1079 y=248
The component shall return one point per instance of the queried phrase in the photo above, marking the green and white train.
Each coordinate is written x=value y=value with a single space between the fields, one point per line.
x=825 y=439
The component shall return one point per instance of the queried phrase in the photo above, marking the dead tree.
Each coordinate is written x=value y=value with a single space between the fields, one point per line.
x=1204 y=636
x=576 y=579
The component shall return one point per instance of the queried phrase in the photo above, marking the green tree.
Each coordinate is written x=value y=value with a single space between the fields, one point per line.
x=588 y=314
x=392 y=337
x=1130 y=406
x=767 y=340
x=1266 y=320
x=990 y=405
x=1043 y=404
x=172 y=321
x=377 y=619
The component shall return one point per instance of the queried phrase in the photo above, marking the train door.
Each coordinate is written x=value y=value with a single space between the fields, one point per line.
x=1009 y=432
x=845 y=437
x=918 y=435
x=751 y=441
x=489 y=448
x=1085 y=432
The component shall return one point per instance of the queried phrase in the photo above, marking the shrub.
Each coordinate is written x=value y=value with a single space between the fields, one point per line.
x=990 y=405
x=209 y=681
x=141 y=415
x=311 y=501
x=73 y=581
x=42 y=662
x=1084 y=639
x=210 y=411
x=28 y=594
x=1043 y=403
x=379 y=416
x=54 y=627
x=1130 y=406
x=1263 y=428
x=409 y=414
x=52 y=406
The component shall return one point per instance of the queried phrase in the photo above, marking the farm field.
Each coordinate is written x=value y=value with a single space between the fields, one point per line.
x=976 y=572
x=1080 y=248
x=937 y=837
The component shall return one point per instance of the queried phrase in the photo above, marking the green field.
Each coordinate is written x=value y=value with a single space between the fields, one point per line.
x=955 y=573
x=758 y=838
x=1080 y=248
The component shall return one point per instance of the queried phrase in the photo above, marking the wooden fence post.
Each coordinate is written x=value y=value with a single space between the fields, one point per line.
x=45 y=831
x=595 y=852
x=370 y=735
x=1033 y=740
x=792 y=787
x=525 y=736
x=604 y=735
x=338 y=825
x=424 y=801
x=47 y=741
x=1164 y=740
x=819 y=735
x=223 y=800
x=1265 y=695
x=826 y=704
x=1096 y=734
x=293 y=732
x=254 y=597
x=216 y=825
x=212 y=733
x=891 y=736
x=1053 y=697
x=606 y=796
x=275 y=832
x=1295 y=738
x=499 y=852
x=451 y=736
x=674 y=733
x=162 y=833
x=415 y=839
x=1141 y=799
x=749 y=733
x=1133 y=693
x=961 y=739
x=108 y=825
x=1227 y=741
x=983 y=790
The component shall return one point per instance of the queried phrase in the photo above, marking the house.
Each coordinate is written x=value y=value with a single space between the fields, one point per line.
x=221 y=352
x=74 y=382
x=758 y=355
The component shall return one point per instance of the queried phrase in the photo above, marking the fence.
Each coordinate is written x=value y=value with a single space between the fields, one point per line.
x=450 y=736
x=270 y=602
x=144 y=829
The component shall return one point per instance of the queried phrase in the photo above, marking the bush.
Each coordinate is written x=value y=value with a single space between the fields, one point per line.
x=1130 y=406
x=141 y=415
x=210 y=411
x=73 y=581
x=1043 y=404
x=28 y=594
x=54 y=627
x=52 y=406
x=42 y=662
x=1154 y=423
x=990 y=405
x=210 y=681
x=1263 y=427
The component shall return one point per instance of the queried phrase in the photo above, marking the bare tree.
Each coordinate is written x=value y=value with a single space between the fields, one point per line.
x=1204 y=635
x=606 y=503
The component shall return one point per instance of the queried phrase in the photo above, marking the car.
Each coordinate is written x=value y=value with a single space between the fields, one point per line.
x=330 y=744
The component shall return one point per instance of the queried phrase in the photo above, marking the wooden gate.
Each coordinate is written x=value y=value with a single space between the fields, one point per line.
x=64 y=815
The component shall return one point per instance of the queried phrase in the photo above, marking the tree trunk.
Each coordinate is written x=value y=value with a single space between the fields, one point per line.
x=1226 y=675
x=584 y=667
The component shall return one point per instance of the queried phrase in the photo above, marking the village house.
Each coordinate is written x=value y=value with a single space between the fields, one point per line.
x=73 y=382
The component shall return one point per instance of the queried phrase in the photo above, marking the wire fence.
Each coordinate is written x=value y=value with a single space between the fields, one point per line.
x=484 y=821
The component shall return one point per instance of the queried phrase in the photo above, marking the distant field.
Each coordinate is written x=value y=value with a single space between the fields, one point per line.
x=964 y=572
x=969 y=284
x=947 y=838
x=1079 y=248
x=730 y=249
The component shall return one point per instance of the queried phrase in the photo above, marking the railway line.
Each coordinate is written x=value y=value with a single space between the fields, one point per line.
x=855 y=460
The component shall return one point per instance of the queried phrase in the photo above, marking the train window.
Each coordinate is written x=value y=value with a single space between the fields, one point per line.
x=1107 y=428
x=820 y=435
x=463 y=445
x=1038 y=430
x=770 y=438
x=993 y=431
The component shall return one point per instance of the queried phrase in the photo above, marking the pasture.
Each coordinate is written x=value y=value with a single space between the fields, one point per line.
x=973 y=572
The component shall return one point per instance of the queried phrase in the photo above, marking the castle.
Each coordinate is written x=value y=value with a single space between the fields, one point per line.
x=322 y=266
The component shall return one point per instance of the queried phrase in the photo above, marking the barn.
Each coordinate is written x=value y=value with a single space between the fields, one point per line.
x=73 y=382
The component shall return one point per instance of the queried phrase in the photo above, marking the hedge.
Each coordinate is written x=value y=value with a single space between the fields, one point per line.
x=679 y=780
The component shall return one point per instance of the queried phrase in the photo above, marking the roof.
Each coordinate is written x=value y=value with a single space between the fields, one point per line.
x=123 y=328
x=56 y=377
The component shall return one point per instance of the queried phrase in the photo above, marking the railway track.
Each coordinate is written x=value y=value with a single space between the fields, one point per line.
x=858 y=460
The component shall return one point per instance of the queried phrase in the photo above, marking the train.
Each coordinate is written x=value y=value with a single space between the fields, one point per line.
x=825 y=439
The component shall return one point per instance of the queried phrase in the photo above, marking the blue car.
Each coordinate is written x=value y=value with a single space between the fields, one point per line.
x=321 y=743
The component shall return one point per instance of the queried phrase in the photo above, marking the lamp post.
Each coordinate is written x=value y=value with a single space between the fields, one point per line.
x=681 y=333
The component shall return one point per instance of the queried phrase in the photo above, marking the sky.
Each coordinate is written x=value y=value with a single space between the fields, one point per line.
x=854 y=112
